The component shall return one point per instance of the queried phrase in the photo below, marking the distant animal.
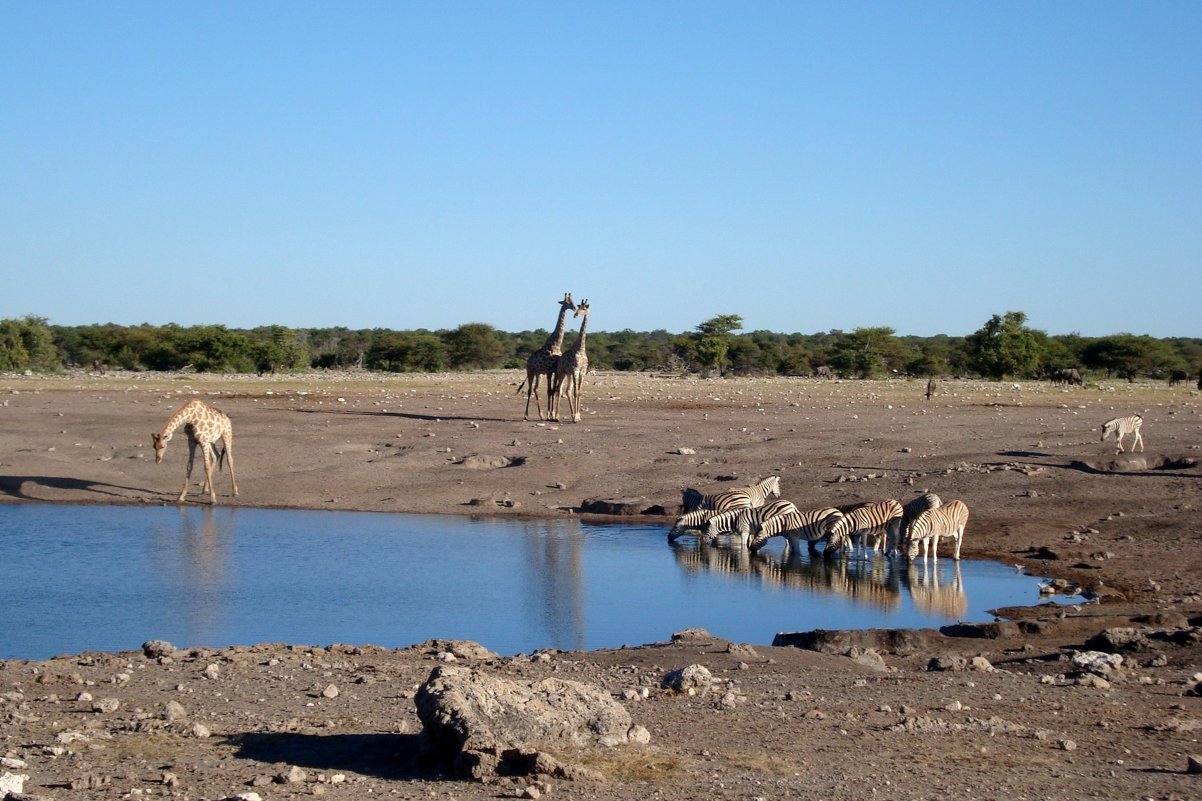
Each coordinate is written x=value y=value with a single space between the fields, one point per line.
x=1121 y=427
x=822 y=371
x=740 y=521
x=946 y=522
x=1067 y=375
x=867 y=528
x=930 y=388
x=703 y=507
x=1177 y=376
x=98 y=366
x=205 y=427
x=813 y=526
x=541 y=363
x=266 y=366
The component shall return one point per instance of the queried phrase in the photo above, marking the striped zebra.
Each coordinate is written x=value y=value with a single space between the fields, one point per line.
x=706 y=506
x=867 y=527
x=911 y=510
x=813 y=525
x=1121 y=427
x=946 y=522
x=741 y=521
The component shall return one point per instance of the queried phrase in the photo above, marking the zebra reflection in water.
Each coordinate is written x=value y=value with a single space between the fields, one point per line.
x=876 y=583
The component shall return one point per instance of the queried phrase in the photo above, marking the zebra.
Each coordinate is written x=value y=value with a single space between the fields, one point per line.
x=932 y=525
x=1121 y=427
x=703 y=507
x=813 y=525
x=879 y=522
x=739 y=521
x=911 y=510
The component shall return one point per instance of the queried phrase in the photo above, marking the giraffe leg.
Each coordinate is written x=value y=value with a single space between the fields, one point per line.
x=207 y=452
x=229 y=457
x=531 y=389
x=183 y=493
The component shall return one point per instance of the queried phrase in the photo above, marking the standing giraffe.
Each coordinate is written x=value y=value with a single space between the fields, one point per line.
x=205 y=426
x=543 y=361
x=569 y=375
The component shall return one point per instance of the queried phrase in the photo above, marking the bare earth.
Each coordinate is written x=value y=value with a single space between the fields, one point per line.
x=798 y=724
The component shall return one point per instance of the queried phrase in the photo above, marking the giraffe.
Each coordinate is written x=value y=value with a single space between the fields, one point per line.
x=205 y=426
x=569 y=374
x=543 y=361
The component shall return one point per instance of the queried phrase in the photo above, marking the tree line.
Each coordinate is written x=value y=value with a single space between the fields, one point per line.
x=1004 y=347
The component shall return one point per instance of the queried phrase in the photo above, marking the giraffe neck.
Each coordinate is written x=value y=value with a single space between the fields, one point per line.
x=578 y=347
x=189 y=413
x=555 y=341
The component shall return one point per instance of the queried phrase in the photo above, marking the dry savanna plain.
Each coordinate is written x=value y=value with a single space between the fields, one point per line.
x=997 y=711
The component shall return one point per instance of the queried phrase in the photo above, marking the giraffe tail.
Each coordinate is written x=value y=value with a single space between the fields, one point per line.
x=521 y=386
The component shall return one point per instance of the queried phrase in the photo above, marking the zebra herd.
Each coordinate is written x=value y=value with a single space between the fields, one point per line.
x=747 y=515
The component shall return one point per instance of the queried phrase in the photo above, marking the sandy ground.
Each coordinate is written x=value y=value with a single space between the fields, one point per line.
x=802 y=724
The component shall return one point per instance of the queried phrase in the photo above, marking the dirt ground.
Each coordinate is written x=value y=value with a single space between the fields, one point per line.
x=785 y=722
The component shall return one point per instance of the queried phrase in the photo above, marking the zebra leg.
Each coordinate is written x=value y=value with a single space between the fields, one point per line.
x=1139 y=438
x=958 y=540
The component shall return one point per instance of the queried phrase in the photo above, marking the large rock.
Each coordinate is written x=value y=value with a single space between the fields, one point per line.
x=487 y=726
x=615 y=506
x=1136 y=463
x=901 y=642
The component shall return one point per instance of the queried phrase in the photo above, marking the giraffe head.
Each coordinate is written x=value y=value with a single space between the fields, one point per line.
x=567 y=302
x=581 y=309
x=160 y=444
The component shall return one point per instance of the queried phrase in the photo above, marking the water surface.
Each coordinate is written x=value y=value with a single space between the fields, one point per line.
x=108 y=578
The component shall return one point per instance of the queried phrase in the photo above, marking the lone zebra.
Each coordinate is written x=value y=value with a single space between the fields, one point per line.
x=703 y=507
x=1121 y=427
x=946 y=522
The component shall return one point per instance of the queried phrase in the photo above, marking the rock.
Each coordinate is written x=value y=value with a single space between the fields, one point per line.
x=692 y=635
x=1193 y=764
x=484 y=725
x=615 y=506
x=1119 y=640
x=12 y=782
x=692 y=680
x=868 y=657
x=174 y=710
x=981 y=664
x=154 y=649
x=484 y=462
x=331 y=691
x=293 y=775
x=106 y=705
x=1097 y=663
x=947 y=662
x=459 y=649
x=901 y=642
x=212 y=671
x=686 y=451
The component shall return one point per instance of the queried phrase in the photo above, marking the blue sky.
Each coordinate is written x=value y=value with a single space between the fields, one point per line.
x=808 y=166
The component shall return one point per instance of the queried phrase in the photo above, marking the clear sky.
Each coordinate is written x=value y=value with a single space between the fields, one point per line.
x=808 y=166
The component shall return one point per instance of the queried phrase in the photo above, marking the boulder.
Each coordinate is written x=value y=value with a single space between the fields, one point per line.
x=486 y=726
x=901 y=642
x=615 y=506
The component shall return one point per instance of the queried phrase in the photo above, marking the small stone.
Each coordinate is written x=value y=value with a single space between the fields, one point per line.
x=1193 y=764
x=212 y=671
x=1067 y=745
x=12 y=783
x=293 y=775
x=638 y=734
x=331 y=691
x=106 y=705
x=154 y=649
x=201 y=731
x=174 y=710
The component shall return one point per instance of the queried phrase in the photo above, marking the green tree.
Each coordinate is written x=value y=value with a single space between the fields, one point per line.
x=475 y=346
x=866 y=352
x=712 y=340
x=28 y=344
x=1005 y=346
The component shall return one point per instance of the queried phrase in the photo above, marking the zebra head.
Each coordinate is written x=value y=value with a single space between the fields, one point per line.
x=771 y=486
